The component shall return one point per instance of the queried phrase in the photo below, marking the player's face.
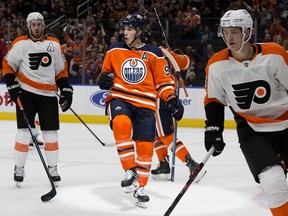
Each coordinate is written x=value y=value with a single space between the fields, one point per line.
x=36 y=29
x=129 y=34
x=233 y=37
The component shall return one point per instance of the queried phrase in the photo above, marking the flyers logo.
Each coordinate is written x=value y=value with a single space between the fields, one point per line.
x=257 y=91
x=37 y=59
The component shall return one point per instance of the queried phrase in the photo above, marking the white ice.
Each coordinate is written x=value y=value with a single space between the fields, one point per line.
x=91 y=176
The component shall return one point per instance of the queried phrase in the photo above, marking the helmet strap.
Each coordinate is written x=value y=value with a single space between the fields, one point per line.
x=243 y=40
x=135 y=37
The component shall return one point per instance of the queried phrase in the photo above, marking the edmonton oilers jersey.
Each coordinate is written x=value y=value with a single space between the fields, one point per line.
x=140 y=74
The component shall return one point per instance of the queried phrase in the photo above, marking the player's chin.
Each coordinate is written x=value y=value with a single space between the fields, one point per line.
x=232 y=47
x=36 y=35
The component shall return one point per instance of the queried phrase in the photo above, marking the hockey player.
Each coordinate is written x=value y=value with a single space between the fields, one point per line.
x=165 y=133
x=33 y=70
x=252 y=80
x=135 y=73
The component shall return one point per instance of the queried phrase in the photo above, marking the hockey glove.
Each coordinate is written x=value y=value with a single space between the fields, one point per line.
x=213 y=137
x=175 y=106
x=105 y=80
x=13 y=87
x=66 y=97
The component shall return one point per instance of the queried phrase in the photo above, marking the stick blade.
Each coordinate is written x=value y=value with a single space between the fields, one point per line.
x=108 y=144
x=47 y=197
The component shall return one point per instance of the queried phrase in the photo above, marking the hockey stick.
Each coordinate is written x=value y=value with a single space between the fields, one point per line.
x=174 y=142
x=189 y=182
x=102 y=143
x=178 y=78
x=174 y=63
x=177 y=69
x=52 y=193
x=162 y=29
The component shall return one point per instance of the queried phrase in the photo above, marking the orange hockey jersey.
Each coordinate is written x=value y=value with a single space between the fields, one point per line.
x=140 y=74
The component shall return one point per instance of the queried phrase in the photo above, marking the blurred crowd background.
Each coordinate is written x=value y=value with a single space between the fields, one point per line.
x=85 y=29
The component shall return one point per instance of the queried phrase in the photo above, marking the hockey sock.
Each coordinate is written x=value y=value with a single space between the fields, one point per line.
x=122 y=129
x=181 y=150
x=144 y=160
x=160 y=149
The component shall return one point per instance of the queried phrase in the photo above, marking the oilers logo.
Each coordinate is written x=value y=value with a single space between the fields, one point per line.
x=133 y=71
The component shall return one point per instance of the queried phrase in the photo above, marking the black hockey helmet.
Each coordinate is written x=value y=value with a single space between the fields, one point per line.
x=135 y=21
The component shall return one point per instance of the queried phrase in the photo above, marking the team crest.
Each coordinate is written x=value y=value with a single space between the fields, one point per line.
x=133 y=71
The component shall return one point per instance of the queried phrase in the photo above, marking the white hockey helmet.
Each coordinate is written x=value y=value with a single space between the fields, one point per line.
x=237 y=18
x=35 y=16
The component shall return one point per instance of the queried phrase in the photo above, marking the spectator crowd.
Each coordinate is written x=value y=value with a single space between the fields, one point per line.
x=189 y=25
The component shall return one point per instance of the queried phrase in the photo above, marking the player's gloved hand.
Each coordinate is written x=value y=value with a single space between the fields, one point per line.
x=13 y=87
x=105 y=80
x=66 y=97
x=14 y=91
x=175 y=106
x=213 y=137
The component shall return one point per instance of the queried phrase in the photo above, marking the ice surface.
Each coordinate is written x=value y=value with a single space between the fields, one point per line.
x=91 y=176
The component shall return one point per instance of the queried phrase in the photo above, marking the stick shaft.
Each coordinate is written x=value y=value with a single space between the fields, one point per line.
x=86 y=126
x=189 y=182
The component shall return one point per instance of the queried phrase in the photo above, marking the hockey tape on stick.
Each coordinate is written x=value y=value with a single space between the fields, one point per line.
x=189 y=182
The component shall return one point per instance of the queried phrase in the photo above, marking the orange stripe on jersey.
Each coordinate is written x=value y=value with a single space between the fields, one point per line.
x=137 y=72
x=24 y=37
x=53 y=39
x=21 y=147
x=220 y=56
x=64 y=72
x=210 y=100
x=36 y=85
x=273 y=48
x=259 y=120
x=6 y=68
x=53 y=146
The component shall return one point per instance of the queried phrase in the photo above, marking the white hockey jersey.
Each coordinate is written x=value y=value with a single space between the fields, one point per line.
x=36 y=65
x=254 y=89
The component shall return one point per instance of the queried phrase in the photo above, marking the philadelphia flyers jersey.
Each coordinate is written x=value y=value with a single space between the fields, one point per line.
x=140 y=74
x=255 y=89
x=37 y=65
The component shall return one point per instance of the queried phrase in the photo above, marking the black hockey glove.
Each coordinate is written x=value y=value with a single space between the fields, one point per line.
x=66 y=93
x=66 y=97
x=175 y=106
x=105 y=80
x=13 y=87
x=213 y=137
